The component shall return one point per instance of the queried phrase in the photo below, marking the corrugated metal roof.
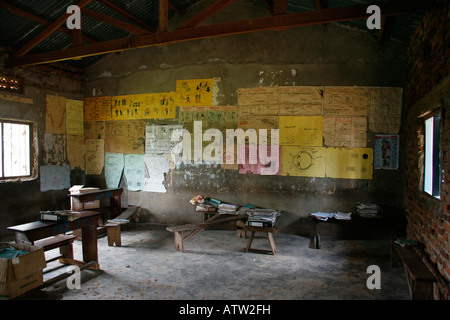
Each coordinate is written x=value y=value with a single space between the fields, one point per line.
x=17 y=31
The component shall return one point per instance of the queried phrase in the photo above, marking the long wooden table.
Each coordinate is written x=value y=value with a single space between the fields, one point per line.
x=31 y=232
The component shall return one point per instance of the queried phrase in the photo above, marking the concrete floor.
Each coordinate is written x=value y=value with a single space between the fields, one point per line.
x=214 y=266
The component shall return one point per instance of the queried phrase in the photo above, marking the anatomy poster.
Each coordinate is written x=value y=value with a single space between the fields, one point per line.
x=303 y=161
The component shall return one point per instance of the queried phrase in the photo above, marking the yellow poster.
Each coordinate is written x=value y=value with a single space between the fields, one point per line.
x=301 y=131
x=55 y=114
x=127 y=107
x=303 y=161
x=98 y=108
x=159 y=106
x=194 y=92
x=74 y=117
x=349 y=163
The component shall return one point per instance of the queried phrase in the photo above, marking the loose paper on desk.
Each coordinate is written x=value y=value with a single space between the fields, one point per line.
x=114 y=164
x=156 y=167
x=134 y=171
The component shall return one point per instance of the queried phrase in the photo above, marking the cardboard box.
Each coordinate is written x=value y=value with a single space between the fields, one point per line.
x=87 y=205
x=23 y=273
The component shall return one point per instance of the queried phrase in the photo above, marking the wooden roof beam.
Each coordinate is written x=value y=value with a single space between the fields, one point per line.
x=163 y=15
x=280 y=7
x=52 y=27
x=130 y=28
x=175 y=9
x=127 y=15
x=206 y=14
x=330 y=15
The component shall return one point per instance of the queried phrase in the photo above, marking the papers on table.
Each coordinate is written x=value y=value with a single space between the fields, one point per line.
x=324 y=216
x=366 y=210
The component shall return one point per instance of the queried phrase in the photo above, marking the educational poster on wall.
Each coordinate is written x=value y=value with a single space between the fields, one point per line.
x=301 y=131
x=159 y=106
x=134 y=171
x=74 y=117
x=349 y=163
x=345 y=132
x=95 y=155
x=156 y=166
x=300 y=101
x=194 y=92
x=75 y=151
x=158 y=138
x=385 y=110
x=94 y=129
x=217 y=117
x=386 y=152
x=143 y=106
x=303 y=161
x=127 y=137
x=97 y=108
x=54 y=177
x=55 y=114
x=346 y=101
x=54 y=149
x=114 y=164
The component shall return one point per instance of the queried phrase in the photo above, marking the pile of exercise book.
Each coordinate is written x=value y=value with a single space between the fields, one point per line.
x=257 y=217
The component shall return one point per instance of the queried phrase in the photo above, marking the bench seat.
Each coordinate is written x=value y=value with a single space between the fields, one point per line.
x=420 y=278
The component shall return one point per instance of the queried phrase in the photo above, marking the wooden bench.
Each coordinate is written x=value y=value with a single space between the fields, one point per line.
x=113 y=226
x=62 y=241
x=268 y=231
x=195 y=228
x=420 y=278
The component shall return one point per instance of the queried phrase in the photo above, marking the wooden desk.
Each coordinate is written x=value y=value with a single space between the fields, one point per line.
x=195 y=228
x=113 y=194
x=88 y=221
x=268 y=231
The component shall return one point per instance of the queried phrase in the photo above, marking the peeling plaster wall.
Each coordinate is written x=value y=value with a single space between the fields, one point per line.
x=22 y=201
x=314 y=55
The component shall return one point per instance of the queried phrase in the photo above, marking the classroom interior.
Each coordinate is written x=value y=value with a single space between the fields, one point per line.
x=226 y=150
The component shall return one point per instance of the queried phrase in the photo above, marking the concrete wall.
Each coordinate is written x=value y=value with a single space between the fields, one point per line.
x=320 y=55
x=22 y=201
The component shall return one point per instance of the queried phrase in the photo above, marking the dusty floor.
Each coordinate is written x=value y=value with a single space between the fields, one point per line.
x=214 y=266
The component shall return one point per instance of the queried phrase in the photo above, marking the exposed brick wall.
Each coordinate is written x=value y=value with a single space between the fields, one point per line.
x=427 y=88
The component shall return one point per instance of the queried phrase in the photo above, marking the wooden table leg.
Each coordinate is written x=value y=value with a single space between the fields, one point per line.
x=272 y=242
x=89 y=242
x=250 y=240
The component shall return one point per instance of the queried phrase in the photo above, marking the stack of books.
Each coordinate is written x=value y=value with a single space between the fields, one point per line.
x=369 y=210
x=59 y=215
x=262 y=217
x=227 y=208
